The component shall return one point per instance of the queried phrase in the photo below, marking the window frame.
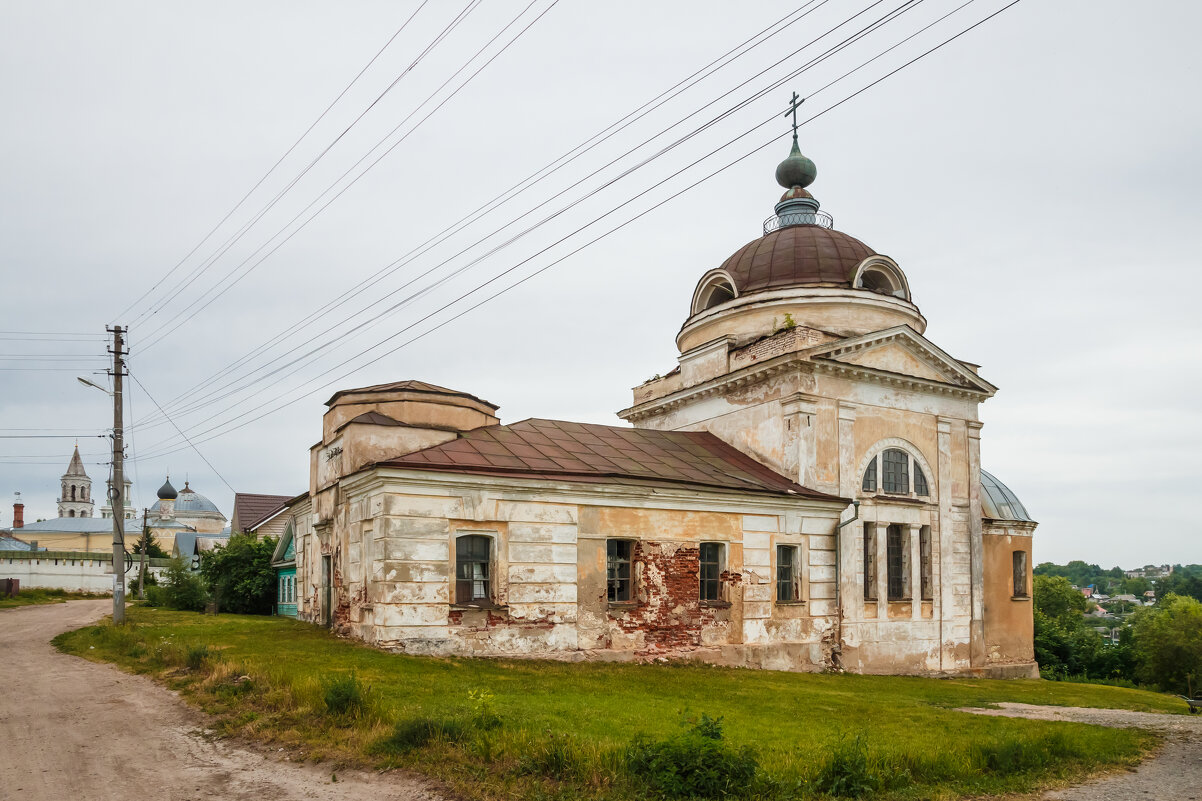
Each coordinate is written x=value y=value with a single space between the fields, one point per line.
x=926 y=562
x=488 y=580
x=1023 y=591
x=870 y=566
x=896 y=551
x=788 y=554
x=913 y=478
x=612 y=558
x=710 y=585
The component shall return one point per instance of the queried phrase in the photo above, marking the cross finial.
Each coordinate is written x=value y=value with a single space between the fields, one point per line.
x=793 y=104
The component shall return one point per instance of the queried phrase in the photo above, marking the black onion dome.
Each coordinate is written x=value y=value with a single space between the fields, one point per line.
x=167 y=492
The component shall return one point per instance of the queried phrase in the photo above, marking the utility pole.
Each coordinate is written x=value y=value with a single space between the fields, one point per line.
x=117 y=491
x=142 y=566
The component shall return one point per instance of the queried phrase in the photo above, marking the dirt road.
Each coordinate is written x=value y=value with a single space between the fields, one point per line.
x=1173 y=774
x=66 y=734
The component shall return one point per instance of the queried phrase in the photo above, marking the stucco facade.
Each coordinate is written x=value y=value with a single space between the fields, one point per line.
x=802 y=491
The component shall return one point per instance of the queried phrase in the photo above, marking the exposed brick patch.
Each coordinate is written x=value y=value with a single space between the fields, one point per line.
x=793 y=339
x=668 y=611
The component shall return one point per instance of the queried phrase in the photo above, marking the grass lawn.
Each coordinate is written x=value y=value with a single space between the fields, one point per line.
x=45 y=596
x=537 y=729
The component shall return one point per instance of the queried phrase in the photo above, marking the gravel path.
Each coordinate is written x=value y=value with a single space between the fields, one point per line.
x=1173 y=774
x=75 y=730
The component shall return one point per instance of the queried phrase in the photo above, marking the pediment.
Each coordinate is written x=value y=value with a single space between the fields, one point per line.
x=902 y=351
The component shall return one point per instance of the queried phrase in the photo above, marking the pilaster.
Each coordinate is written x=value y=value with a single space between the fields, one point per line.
x=941 y=567
x=915 y=571
x=976 y=544
x=800 y=412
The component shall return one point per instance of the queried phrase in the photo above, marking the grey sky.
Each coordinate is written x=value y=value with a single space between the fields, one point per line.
x=1037 y=179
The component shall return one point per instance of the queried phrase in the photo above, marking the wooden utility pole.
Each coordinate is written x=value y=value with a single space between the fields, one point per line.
x=117 y=491
x=142 y=566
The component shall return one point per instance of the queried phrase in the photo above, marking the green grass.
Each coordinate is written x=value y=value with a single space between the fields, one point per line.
x=31 y=597
x=555 y=730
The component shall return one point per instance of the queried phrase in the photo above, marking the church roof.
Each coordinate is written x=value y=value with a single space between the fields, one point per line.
x=998 y=502
x=408 y=386
x=796 y=255
x=190 y=503
x=74 y=525
x=75 y=468
x=556 y=449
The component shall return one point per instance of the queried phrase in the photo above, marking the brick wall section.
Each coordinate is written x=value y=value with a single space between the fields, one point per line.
x=789 y=341
x=668 y=611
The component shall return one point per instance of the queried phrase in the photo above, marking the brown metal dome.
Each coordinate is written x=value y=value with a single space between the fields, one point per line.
x=796 y=255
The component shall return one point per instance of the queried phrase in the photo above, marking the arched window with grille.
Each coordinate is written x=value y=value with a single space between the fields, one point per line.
x=895 y=472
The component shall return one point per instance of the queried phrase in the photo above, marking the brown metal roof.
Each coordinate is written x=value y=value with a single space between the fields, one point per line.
x=556 y=449
x=797 y=254
x=250 y=508
x=409 y=386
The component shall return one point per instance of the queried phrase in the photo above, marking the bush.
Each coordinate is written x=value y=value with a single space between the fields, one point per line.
x=195 y=656
x=241 y=574
x=182 y=589
x=695 y=763
x=344 y=695
x=848 y=771
x=155 y=595
x=410 y=735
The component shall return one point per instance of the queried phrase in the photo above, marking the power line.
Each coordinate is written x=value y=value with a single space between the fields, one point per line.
x=278 y=162
x=182 y=434
x=205 y=400
x=228 y=424
x=538 y=176
x=167 y=329
x=204 y=266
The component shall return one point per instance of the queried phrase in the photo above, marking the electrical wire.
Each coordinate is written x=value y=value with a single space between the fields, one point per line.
x=490 y=206
x=227 y=425
x=198 y=402
x=278 y=162
x=185 y=436
x=171 y=293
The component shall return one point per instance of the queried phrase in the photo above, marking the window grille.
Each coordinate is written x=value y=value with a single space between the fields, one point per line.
x=472 y=583
x=617 y=570
x=869 y=482
x=869 y=562
x=924 y=555
x=896 y=469
x=895 y=563
x=786 y=573
x=710 y=571
x=920 y=481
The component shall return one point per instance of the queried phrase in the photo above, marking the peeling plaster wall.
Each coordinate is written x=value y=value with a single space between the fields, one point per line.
x=1009 y=622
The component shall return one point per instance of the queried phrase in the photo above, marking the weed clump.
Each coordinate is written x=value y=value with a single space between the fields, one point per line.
x=1011 y=756
x=848 y=771
x=414 y=733
x=195 y=656
x=695 y=763
x=344 y=695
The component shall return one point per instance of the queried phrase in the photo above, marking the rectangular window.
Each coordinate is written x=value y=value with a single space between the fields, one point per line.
x=471 y=569
x=895 y=563
x=1020 y=574
x=710 y=571
x=787 y=586
x=896 y=466
x=869 y=562
x=280 y=594
x=617 y=570
x=925 y=569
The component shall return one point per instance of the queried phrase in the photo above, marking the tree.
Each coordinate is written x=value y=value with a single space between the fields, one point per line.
x=181 y=589
x=1056 y=598
x=240 y=574
x=1167 y=642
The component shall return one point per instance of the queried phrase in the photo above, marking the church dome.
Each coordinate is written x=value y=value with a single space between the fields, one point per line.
x=998 y=502
x=167 y=492
x=796 y=255
x=191 y=502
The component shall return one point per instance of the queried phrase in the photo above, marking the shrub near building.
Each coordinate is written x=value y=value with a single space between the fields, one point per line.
x=240 y=575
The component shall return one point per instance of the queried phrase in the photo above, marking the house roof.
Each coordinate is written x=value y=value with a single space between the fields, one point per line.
x=250 y=508
x=186 y=543
x=556 y=449
x=409 y=386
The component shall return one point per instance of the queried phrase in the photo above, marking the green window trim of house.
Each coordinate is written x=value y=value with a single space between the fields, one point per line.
x=286 y=591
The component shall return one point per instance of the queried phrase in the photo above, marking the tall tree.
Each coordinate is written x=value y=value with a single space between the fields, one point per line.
x=1168 y=644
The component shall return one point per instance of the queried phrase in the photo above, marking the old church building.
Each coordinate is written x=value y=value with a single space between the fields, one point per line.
x=803 y=491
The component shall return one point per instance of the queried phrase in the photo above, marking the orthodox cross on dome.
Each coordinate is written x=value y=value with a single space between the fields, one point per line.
x=793 y=104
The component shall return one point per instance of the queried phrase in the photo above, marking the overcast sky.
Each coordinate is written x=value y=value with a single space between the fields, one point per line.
x=1037 y=179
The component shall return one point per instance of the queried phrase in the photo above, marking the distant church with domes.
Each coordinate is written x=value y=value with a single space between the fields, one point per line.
x=801 y=491
x=77 y=528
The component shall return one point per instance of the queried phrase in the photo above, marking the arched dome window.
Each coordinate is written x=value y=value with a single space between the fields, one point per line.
x=881 y=274
x=715 y=288
x=896 y=474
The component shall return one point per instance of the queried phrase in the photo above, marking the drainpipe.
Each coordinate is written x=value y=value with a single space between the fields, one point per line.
x=839 y=575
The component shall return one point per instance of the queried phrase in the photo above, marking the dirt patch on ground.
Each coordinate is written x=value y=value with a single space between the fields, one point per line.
x=1173 y=774
x=67 y=726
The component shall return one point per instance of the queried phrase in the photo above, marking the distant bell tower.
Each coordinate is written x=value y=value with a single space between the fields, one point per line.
x=76 y=498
